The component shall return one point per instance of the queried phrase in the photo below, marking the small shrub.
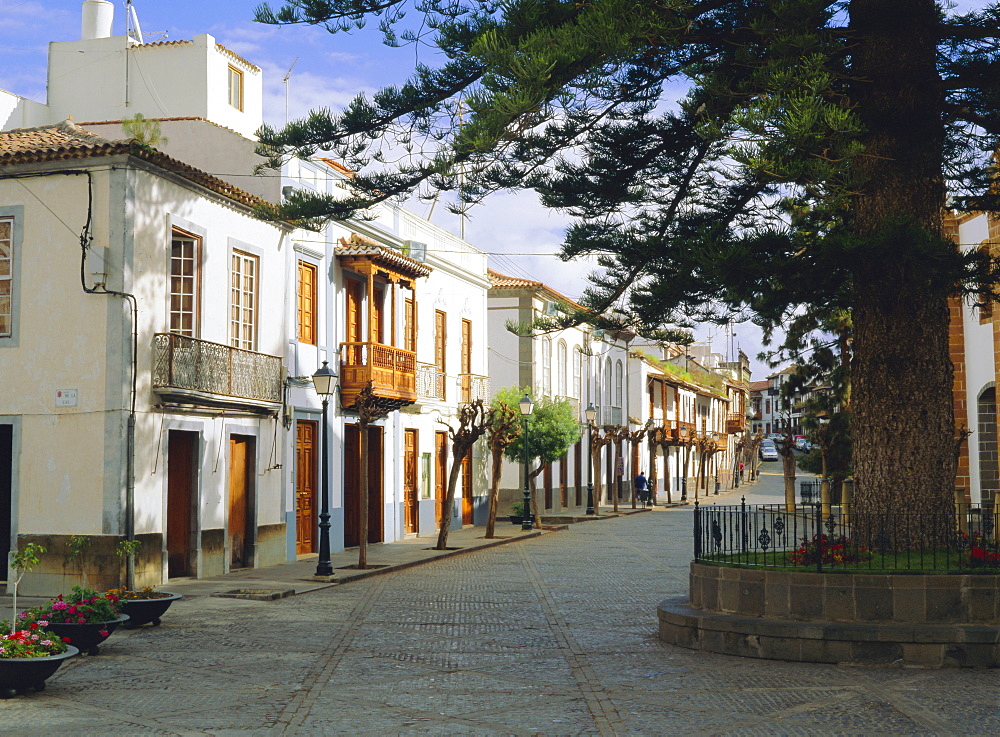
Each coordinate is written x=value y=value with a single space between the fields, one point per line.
x=835 y=551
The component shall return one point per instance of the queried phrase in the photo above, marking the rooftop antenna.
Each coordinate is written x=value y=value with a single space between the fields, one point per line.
x=285 y=79
x=132 y=29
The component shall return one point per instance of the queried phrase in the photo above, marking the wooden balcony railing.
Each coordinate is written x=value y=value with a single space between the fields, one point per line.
x=736 y=423
x=192 y=365
x=430 y=382
x=392 y=372
x=474 y=387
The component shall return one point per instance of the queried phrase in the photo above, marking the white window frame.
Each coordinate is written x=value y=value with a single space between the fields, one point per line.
x=244 y=291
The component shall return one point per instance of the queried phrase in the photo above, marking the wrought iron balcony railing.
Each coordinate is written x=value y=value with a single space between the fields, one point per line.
x=474 y=387
x=193 y=365
x=430 y=381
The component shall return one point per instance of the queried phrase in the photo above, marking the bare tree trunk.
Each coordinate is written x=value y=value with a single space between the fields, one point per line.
x=534 y=497
x=449 y=501
x=491 y=514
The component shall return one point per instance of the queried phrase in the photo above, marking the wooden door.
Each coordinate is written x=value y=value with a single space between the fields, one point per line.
x=440 y=475
x=563 y=473
x=547 y=483
x=352 y=327
x=440 y=336
x=378 y=315
x=306 y=494
x=466 y=360
x=352 y=485
x=467 y=516
x=410 y=325
x=411 y=522
x=182 y=479
x=6 y=492
x=241 y=479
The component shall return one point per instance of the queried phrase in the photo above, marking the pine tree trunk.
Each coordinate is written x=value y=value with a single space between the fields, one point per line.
x=902 y=416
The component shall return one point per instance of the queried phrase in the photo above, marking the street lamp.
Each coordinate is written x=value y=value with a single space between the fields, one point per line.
x=591 y=415
x=683 y=433
x=323 y=382
x=526 y=405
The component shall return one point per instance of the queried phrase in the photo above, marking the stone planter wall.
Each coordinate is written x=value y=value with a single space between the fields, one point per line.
x=931 y=621
x=846 y=597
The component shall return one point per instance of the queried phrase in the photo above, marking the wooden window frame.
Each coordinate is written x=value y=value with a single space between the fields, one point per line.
x=306 y=311
x=236 y=87
x=175 y=315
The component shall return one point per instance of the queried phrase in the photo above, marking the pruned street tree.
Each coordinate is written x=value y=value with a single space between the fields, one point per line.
x=552 y=429
x=503 y=426
x=805 y=169
x=473 y=422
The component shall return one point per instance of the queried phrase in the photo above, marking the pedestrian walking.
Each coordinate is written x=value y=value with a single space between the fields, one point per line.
x=641 y=487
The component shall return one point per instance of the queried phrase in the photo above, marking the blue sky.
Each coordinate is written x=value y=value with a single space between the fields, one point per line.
x=329 y=70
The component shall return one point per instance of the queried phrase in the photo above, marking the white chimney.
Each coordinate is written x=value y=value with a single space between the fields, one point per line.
x=98 y=16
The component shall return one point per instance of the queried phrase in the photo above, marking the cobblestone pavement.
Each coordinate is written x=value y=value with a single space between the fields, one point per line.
x=554 y=636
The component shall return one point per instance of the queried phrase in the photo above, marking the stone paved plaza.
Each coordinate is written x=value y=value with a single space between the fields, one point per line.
x=553 y=635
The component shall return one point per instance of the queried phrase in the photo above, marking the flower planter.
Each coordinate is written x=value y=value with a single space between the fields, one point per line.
x=146 y=611
x=516 y=519
x=86 y=637
x=17 y=675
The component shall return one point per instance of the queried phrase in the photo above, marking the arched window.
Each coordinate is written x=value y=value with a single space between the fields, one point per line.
x=989 y=478
x=619 y=378
x=547 y=367
x=607 y=382
x=577 y=373
x=561 y=368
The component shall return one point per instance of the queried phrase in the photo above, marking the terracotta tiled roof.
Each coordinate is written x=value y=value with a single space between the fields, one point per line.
x=360 y=246
x=337 y=166
x=66 y=141
x=502 y=281
x=759 y=386
x=233 y=55
x=160 y=120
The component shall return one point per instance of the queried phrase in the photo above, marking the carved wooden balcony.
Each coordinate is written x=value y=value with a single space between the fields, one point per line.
x=392 y=372
x=192 y=371
x=736 y=423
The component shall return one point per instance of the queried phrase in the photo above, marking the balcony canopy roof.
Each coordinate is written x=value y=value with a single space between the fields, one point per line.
x=365 y=255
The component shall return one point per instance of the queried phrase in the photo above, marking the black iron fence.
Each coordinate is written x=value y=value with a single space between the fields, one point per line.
x=810 y=537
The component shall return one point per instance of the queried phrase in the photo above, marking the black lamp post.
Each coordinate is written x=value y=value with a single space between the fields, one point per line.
x=323 y=382
x=526 y=405
x=591 y=414
x=683 y=432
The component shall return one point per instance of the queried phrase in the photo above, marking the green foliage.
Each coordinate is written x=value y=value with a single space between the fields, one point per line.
x=145 y=133
x=552 y=428
x=128 y=548
x=78 y=545
x=22 y=561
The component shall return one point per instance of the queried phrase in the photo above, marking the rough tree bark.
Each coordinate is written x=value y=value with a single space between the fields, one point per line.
x=902 y=418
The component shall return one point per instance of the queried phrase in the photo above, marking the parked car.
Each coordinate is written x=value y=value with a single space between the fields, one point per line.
x=802 y=444
x=768 y=452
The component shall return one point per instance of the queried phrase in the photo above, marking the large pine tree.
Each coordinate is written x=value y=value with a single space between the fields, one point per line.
x=724 y=156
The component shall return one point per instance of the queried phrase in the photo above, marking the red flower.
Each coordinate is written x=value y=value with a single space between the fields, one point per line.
x=65 y=639
x=34 y=625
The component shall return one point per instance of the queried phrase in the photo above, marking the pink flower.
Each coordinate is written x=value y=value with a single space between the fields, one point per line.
x=45 y=642
x=103 y=633
x=60 y=605
x=43 y=622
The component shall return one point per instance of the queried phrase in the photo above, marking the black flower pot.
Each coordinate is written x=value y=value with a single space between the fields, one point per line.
x=17 y=675
x=516 y=519
x=86 y=637
x=146 y=611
